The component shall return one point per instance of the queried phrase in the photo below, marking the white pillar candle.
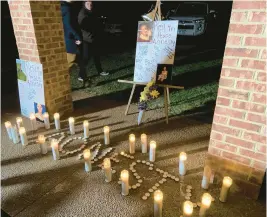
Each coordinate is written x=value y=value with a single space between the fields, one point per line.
x=205 y=204
x=152 y=151
x=106 y=135
x=227 y=182
x=57 y=121
x=182 y=159
x=86 y=129
x=8 y=129
x=107 y=170
x=206 y=177
x=158 y=203
x=124 y=182
x=71 y=125
x=33 y=121
x=46 y=120
x=144 y=143
x=188 y=208
x=55 y=152
x=23 y=136
x=87 y=160
x=15 y=136
x=132 y=143
x=42 y=143
x=19 y=122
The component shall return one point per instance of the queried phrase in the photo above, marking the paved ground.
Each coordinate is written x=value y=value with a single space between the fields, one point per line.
x=35 y=185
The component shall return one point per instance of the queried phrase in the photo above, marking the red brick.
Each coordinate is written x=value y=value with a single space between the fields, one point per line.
x=25 y=7
x=252 y=154
x=251 y=86
x=236 y=158
x=233 y=40
x=264 y=54
x=223 y=146
x=233 y=94
x=13 y=7
x=255 y=41
x=239 y=142
x=226 y=82
x=248 y=106
x=230 y=62
x=249 y=5
x=246 y=29
x=255 y=137
x=220 y=119
x=261 y=76
x=229 y=112
x=259 y=98
x=238 y=16
x=255 y=16
x=225 y=129
x=27 y=52
x=256 y=118
x=259 y=165
x=236 y=73
x=222 y=101
x=216 y=136
x=241 y=52
x=254 y=64
x=244 y=125
x=261 y=148
x=214 y=151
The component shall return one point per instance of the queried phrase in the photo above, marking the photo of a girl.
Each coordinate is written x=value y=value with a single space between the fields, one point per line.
x=145 y=32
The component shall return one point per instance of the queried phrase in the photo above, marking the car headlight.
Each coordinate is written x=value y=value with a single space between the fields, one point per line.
x=199 y=21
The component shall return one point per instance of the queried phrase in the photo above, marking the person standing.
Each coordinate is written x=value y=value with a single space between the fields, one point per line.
x=91 y=31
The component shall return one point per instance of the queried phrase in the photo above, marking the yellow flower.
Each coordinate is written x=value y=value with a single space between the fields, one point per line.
x=149 y=84
x=143 y=96
x=154 y=94
x=146 y=89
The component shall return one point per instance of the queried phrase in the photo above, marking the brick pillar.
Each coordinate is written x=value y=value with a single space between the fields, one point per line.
x=39 y=35
x=238 y=137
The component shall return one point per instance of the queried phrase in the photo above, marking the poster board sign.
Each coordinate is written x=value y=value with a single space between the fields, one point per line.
x=156 y=42
x=31 y=88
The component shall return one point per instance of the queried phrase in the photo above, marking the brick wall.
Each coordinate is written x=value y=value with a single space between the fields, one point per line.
x=238 y=137
x=39 y=35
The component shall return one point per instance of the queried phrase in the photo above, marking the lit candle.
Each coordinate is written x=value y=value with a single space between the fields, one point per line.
x=106 y=135
x=182 y=159
x=227 y=182
x=187 y=208
x=124 y=182
x=132 y=143
x=55 y=152
x=158 y=200
x=43 y=146
x=86 y=129
x=206 y=177
x=152 y=151
x=33 y=121
x=8 y=129
x=57 y=120
x=87 y=160
x=19 y=122
x=15 y=136
x=144 y=143
x=71 y=126
x=205 y=204
x=46 y=120
x=107 y=170
x=23 y=136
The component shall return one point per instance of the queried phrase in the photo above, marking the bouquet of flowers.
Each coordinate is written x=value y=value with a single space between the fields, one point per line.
x=150 y=92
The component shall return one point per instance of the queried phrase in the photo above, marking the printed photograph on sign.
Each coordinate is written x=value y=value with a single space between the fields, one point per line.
x=145 y=32
x=39 y=110
x=21 y=75
x=164 y=74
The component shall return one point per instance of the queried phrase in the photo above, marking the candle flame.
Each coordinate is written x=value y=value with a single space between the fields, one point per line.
x=132 y=137
x=41 y=138
x=158 y=195
x=183 y=156
x=7 y=124
x=32 y=116
x=188 y=207
x=86 y=154
x=153 y=144
x=124 y=174
x=85 y=123
x=106 y=129
x=107 y=163
x=56 y=116
x=227 y=181
x=22 y=130
x=206 y=199
x=19 y=119
x=71 y=120
x=54 y=143
x=46 y=115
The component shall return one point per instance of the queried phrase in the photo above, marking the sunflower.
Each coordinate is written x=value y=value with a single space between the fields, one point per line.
x=154 y=94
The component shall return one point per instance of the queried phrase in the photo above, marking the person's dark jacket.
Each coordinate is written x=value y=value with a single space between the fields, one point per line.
x=90 y=25
x=70 y=33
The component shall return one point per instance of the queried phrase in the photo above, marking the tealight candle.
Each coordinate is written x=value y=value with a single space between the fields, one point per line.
x=86 y=129
x=15 y=137
x=205 y=204
x=8 y=129
x=71 y=125
x=107 y=170
x=158 y=203
x=188 y=208
x=43 y=146
x=33 y=121
x=46 y=120
x=227 y=182
x=87 y=160
x=206 y=177
x=124 y=182
x=19 y=122
x=182 y=159
x=23 y=136
x=55 y=152
x=144 y=143
x=57 y=121
x=106 y=135
x=152 y=151
x=132 y=143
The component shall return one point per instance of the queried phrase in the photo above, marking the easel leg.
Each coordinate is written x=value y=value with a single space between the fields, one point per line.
x=166 y=104
x=168 y=96
x=130 y=99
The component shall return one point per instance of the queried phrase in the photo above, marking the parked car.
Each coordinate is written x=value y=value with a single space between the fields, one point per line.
x=193 y=18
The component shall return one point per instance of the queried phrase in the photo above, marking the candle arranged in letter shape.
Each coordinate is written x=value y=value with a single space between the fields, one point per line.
x=57 y=121
x=33 y=121
x=227 y=182
x=87 y=160
x=19 y=122
x=124 y=182
x=85 y=129
x=71 y=126
x=144 y=143
x=15 y=136
x=132 y=143
x=55 y=152
x=8 y=129
x=152 y=151
x=158 y=200
x=23 y=136
x=205 y=204
x=206 y=177
x=182 y=159
x=106 y=135
x=107 y=170
x=187 y=208
x=43 y=146
x=46 y=120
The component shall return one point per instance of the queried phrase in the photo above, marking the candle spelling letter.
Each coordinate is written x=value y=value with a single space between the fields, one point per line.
x=227 y=182
x=158 y=199
x=132 y=143
x=87 y=160
x=107 y=170
x=182 y=159
x=8 y=129
x=205 y=204
x=43 y=146
x=46 y=120
x=124 y=182
x=106 y=135
x=55 y=152
x=152 y=151
x=23 y=136
x=57 y=120
x=86 y=129
x=71 y=126
x=206 y=178
x=144 y=143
